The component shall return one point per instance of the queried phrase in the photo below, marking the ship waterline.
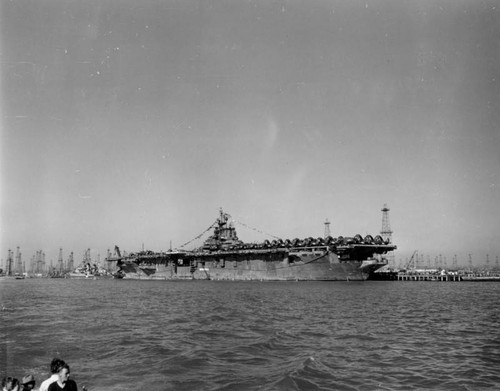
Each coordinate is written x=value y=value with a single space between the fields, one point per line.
x=224 y=257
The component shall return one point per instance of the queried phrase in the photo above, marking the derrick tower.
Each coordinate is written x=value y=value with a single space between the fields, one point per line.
x=327 y=228
x=19 y=262
x=87 y=259
x=386 y=232
x=70 y=262
x=60 y=261
x=8 y=271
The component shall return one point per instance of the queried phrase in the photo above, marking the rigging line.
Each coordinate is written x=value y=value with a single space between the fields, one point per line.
x=256 y=230
x=199 y=236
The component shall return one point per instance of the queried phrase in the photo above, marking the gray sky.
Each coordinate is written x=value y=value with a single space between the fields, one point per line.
x=128 y=122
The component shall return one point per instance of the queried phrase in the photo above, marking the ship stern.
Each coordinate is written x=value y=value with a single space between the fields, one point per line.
x=369 y=266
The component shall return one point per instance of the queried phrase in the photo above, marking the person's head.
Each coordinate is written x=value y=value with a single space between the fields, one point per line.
x=64 y=373
x=10 y=384
x=28 y=382
x=56 y=365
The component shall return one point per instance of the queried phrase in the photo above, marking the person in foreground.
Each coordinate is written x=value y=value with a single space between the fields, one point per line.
x=28 y=383
x=63 y=381
x=55 y=365
x=10 y=384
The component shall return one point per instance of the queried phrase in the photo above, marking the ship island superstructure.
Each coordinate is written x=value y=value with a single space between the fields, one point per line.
x=223 y=256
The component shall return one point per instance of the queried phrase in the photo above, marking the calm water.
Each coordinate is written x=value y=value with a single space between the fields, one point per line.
x=207 y=335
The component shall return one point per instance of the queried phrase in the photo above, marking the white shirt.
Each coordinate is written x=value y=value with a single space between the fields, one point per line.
x=46 y=383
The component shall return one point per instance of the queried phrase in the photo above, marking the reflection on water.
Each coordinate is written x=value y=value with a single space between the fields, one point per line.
x=208 y=335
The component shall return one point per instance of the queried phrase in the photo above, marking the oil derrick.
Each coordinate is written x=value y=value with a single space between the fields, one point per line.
x=40 y=262
x=87 y=260
x=60 y=261
x=37 y=261
x=8 y=265
x=386 y=232
x=71 y=265
x=19 y=262
x=327 y=228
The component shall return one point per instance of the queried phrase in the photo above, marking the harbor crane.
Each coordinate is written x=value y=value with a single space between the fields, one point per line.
x=411 y=262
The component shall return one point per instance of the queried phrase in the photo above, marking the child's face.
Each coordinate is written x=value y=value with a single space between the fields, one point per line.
x=64 y=375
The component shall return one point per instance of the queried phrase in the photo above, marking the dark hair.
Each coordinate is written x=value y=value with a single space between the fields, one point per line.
x=9 y=382
x=6 y=380
x=56 y=365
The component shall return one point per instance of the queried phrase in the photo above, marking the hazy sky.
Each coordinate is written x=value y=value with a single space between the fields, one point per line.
x=129 y=122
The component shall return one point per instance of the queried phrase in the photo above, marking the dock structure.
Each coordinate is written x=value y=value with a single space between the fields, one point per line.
x=429 y=277
x=435 y=275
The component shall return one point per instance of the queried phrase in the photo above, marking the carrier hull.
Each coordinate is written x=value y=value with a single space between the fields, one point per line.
x=280 y=265
x=224 y=257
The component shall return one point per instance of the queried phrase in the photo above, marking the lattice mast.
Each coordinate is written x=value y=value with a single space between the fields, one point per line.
x=386 y=232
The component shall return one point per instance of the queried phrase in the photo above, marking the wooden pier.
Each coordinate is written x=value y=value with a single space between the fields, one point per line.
x=434 y=276
x=428 y=277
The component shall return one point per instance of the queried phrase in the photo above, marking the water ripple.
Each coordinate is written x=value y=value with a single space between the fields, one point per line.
x=208 y=335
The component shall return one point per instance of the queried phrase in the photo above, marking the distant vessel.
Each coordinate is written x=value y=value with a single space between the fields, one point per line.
x=86 y=270
x=224 y=257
